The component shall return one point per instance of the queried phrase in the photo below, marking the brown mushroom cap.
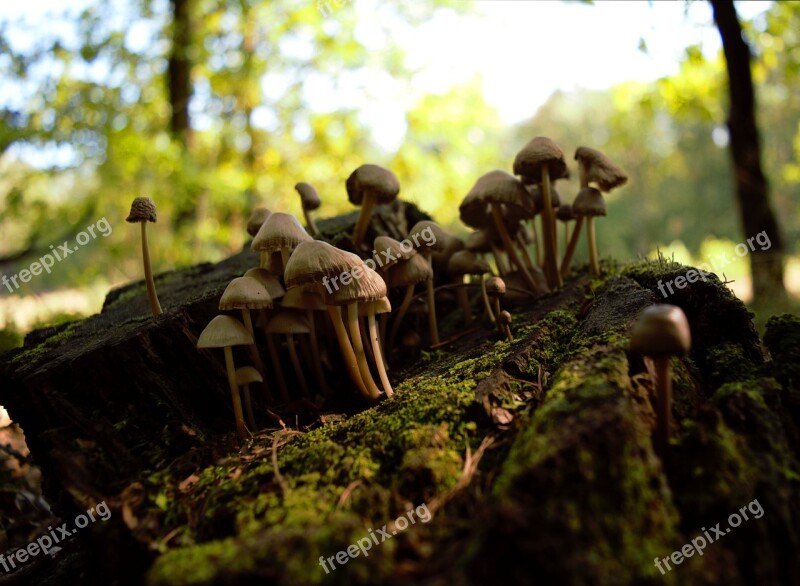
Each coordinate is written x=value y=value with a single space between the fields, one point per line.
x=365 y=285
x=410 y=272
x=244 y=293
x=288 y=321
x=381 y=183
x=223 y=331
x=395 y=250
x=589 y=202
x=246 y=375
x=535 y=191
x=143 y=209
x=270 y=282
x=504 y=318
x=564 y=213
x=315 y=260
x=495 y=187
x=465 y=262
x=257 y=219
x=308 y=196
x=661 y=330
x=279 y=231
x=437 y=242
x=600 y=169
x=536 y=154
x=495 y=286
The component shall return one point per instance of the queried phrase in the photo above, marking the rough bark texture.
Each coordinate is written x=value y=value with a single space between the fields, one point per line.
x=752 y=189
x=534 y=458
x=179 y=71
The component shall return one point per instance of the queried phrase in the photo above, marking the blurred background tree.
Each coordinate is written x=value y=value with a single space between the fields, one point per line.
x=213 y=106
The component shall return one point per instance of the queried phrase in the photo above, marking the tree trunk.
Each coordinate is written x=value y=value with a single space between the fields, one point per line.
x=179 y=73
x=752 y=190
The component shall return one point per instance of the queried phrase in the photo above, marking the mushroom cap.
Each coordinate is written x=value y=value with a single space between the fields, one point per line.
x=257 y=219
x=365 y=285
x=299 y=298
x=589 y=202
x=538 y=153
x=312 y=261
x=244 y=293
x=495 y=286
x=279 y=231
x=388 y=244
x=246 y=375
x=535 y=190
x=382 y=305
x=437 y=242
x=378 y=181
x=309 y=197
x=564 y=213
x=661 y=330
x=478 y=241
x=143 y=209
x=494 y=187
x=223 y=331
x=270 y=282
x=410 y=272
x=465 y=262
x=600 y=169
x=288 y=321
x=505 y=318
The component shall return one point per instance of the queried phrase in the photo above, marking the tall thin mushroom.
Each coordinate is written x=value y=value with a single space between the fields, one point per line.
x=143 y=210
x=280 y=233
x=367 y=186
x=310 y=201
x=435 y=242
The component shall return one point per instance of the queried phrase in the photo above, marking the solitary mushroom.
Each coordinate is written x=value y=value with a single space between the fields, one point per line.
x=310 y=200
x=662 y=332
x=257 y=219
x=505 y=323
x=225 y=332
x=280 y=233
x=367 y=186
x=496 y=288
x=143 y=210
x=244 y=376
x=542 y=161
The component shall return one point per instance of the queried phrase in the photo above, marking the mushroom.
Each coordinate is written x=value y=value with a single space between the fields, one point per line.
x=310 y=200
x=309 y=301
x=496 y=288
x=370 y=309
x=661 y=332
x=280 y=233
x=505 y=323
x=245 y=293
x=565 y=216
x=244 y=376
x=542 y=161
x=257 y=219
x=588 y=204
x=464 y=263
x=407 y=273
x=289 y=323
x=143 y=210
x=270 y=282
x=436 y=242
x=386 y=253
x=493 y=193
x=321 y=266
x=225 y=332
x=367 y=186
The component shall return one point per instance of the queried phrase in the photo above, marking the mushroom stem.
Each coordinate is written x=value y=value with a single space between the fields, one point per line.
x=155 y=306
x=296 y=364
x=241 y=428
x=382 y=328
x=276 y=365
x=252 y=350
x=315 y=356
x=376 y=350
x=548 y=225
x=536 y=242
x=486 y=305
x=401 y=314
x=526 y=255
x=463 y=301
x=362 y=328
x=433 y=328
x=251 y=420
x=497 y=214
x=310 y=224
x=593 y=262
x=497 y=310
x=664 y=406
x=358 y=347
x=500 y=261
x=363 y=219
x=570 y=251
x=349 y=356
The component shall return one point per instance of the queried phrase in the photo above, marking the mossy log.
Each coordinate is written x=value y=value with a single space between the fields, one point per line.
x=534 y=457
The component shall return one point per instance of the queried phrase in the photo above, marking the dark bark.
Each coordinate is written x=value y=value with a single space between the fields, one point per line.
x=752 y=189
x=179 y=71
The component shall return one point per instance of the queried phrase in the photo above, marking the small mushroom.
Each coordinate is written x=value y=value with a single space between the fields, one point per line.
x=244 y=376
x=505 y=323
x=464 y=263
x=368 y=186
x=143 y=210
x=496 y=288
x=257 y=219
x=225 y=332
x=280 y=233
x=370 y=309
x=407 y=273
x=310 y=200
x=565 y=216
x=588 y=204
x=270 y=282
x=426 y=248
x=661 y=332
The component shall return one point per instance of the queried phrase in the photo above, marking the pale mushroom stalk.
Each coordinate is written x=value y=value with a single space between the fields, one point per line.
x=401 y=314
x=382 y=327
x=500 y=261
x=276 y=365
x=241 y=428
x=590 y=235
x=376 y=350
x=433 y=328
x=296 y=364
x=358 y=348
x=362 y=328
x=312 y=226
x=152 y=297
x=350 y=360
x=549 y=224
x=363 y=219
x=526 y=255
x=252 y=351
x=509 y=248
x=463 y=300
x=486 y=305
x=570 y=251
